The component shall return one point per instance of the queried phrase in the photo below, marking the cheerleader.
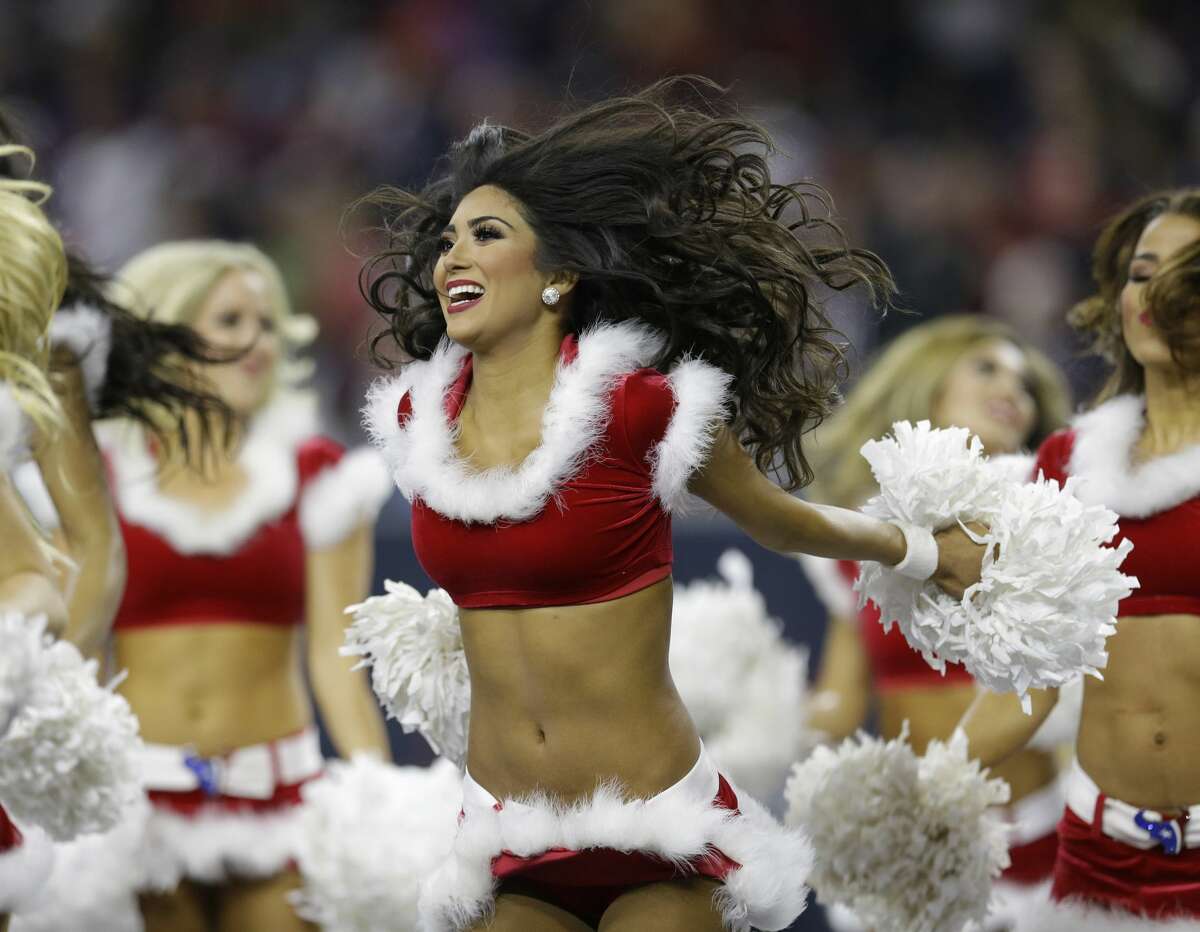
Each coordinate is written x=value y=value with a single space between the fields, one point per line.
x=236 y=570
x=966 y=371
x=601 y=318
x=53 y=716
x=1129 y=849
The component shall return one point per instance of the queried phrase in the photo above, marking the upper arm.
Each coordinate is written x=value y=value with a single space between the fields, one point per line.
x=336 y=576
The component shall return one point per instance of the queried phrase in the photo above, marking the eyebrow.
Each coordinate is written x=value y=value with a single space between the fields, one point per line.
x=475 y=221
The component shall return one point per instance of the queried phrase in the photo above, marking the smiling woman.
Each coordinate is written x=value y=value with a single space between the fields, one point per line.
x=600 y=316
x=1129 y=851
x=239 y=565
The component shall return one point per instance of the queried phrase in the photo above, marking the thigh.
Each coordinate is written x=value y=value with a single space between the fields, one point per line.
x=184 y=909
x=260 y=904
x=516 y=912
x=671 y=906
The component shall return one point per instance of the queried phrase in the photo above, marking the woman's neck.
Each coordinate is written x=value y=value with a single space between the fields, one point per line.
x=509 y=384
x=1172 y=412
x=211 y=459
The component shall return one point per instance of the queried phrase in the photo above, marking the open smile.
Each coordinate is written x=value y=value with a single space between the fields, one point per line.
x=463 y=295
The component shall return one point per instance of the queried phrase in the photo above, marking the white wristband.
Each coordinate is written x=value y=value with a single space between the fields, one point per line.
x=921 y=556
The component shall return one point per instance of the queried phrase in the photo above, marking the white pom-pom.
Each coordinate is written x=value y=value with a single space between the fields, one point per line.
x=87 y=332
x=743 y=683
x=371 y=832
x=25 y=869
x=68 y=762
x=413 y=645
x=96 y=880
x=907 y=843
x=20 y=650
x=1046 y=603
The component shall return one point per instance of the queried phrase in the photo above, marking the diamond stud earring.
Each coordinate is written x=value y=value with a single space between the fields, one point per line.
x=550 y=295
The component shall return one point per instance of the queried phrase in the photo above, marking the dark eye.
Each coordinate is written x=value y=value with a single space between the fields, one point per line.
x=1139 y=277
x=230 y=319
x=267 y=323
x=444 y=245
x=985 y=367
x=486 y=232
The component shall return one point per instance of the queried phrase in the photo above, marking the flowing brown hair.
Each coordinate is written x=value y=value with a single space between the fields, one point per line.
x=668 y=215
x=1172 y=294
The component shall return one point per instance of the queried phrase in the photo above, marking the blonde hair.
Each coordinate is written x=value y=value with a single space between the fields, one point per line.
x=33 y=276
x=169 y=283
x=903 y=384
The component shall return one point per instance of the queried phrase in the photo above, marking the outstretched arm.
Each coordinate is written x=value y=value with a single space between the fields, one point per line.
x=731 y=483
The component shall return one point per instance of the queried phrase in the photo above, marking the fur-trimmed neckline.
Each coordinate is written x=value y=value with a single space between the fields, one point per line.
x=267 y=456
x=1102 y=456
x=425 y=461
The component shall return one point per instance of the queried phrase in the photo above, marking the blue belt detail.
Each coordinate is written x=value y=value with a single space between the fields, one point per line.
x=206 y=773
x=1167 y=832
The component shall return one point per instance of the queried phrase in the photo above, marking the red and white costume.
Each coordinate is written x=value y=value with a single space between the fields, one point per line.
x=894 y=665
x=585 y=518
x=1105 y=858
x=235 y=815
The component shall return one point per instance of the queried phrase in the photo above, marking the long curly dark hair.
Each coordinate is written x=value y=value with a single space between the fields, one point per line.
x=668 y=215
x=1172 y=294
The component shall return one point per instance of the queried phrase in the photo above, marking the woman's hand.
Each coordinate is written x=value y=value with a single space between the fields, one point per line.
x=960 y=559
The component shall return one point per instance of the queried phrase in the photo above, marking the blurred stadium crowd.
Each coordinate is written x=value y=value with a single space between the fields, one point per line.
x=976 y=144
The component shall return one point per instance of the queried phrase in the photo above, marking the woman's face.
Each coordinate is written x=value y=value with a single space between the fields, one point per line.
x=237 y=315
x=487 y=281
x=988 y=391
x=1163 y=237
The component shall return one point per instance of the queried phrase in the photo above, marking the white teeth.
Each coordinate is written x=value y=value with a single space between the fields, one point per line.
x=469 y=291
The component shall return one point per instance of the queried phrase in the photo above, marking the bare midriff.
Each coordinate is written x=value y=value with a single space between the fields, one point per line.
x=1140 y=734
x=933 y=712
x=565 y=697
x=214 y=686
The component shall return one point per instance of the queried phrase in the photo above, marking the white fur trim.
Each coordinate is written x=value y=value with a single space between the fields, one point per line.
x=14 y=430
x=701 y=391
x=87 y=332
x=344 y=497
x=1101 y=458
x=1047 y=915
x=25 y=869
x=268 y=457
x=425 y=464
x=832 y=589
x=216 y=845
x=27 y=480
x=767 y=892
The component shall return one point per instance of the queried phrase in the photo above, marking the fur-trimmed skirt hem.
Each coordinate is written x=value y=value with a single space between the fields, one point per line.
x=763 y=866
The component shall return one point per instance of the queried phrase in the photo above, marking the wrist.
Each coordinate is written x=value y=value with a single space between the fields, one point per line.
x=920 y=560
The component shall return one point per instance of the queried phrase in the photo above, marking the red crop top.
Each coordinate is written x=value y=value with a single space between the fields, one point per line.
x=245 y=562
x=1158 y=501
x=585 y=518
